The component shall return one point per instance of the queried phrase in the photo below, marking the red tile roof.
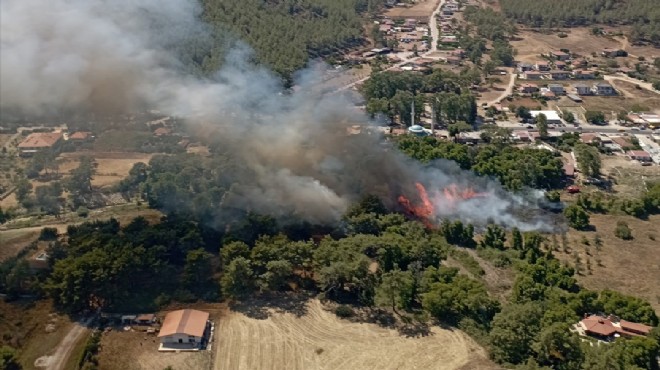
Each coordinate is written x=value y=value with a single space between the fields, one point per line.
x=80 y=135
x=635 y=327
x=188 y=322
x=599 y=326
x=41 y=140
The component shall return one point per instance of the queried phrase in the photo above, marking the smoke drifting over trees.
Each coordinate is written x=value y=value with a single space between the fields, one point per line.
x=290 y=152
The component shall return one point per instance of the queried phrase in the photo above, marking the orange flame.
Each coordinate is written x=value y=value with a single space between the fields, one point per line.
x=425 y=211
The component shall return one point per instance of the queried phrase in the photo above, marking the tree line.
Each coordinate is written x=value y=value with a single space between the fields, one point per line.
x=643 y=15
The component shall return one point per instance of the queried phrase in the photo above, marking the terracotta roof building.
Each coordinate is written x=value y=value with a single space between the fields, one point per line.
x=183 y=329
x=40 y=141
x=611 y=327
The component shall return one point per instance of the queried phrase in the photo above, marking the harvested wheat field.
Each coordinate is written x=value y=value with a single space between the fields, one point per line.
x=318 y=339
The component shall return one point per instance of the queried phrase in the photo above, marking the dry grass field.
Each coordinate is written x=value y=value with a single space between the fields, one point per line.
x=12 y=241
x=318 y=339
x=423 y=8
x=111 y=168
x=531 y=45
x=32 y=326
x=631 y=267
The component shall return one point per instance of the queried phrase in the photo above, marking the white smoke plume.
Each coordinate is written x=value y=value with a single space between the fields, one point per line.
x=58 y=57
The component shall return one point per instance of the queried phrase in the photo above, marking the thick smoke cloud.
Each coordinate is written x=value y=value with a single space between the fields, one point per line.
x=101 y=56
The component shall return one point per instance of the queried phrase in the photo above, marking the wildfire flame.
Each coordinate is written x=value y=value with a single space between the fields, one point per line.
x=425 y=211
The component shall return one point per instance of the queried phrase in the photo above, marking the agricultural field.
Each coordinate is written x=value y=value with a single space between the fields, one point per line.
x=111 y=168
x=318 y=339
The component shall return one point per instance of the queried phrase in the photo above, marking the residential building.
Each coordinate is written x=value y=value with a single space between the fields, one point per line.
x=528 y=88
x=454 y=60
x=183 y=329
x=613 y=53
x=531 y=75
x=582 y=89
x=583 y=74
x=560 y=55
x=603 y=88
x=609 y=328
x=40 y=141
x=524 y=67
x=559 y=75
x=557 y=89
x=589 y=137
x=551 y=116
x=560 y=65
x=640 y=155
x=546 y=93
x=542 y=66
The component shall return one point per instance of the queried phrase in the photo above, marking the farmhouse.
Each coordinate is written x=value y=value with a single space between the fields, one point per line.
x=613 y=53
x=542 y=66
x=609 y=328
x=583 y=74
x=524 y=67
x=40 y=141
x=183 y=329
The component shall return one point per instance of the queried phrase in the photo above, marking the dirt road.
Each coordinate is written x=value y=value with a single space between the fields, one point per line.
x=58 y=359
x=433 y=24
x=508 y=91
x=642 y=84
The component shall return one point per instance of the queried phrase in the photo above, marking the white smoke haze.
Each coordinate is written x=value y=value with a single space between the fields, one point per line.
x=112 y=57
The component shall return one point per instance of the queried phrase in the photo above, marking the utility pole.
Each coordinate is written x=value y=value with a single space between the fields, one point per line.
x=412 y=113
x=432 y=120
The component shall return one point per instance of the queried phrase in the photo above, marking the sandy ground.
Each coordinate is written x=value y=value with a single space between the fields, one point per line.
x=320 y=340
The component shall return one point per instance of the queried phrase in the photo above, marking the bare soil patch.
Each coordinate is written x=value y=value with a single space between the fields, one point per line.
x=318 y=339
x=630 y=267
x=531 y=44
x=133 y=350
x=111 y=168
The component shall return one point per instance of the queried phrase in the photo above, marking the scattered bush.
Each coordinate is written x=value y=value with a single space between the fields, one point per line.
x=344 y=311
x=48 y=233
x=622 y=231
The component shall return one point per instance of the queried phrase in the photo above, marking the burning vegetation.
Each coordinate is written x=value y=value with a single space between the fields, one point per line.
x=447 y=198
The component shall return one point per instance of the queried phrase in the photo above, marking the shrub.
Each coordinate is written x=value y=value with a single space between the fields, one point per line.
x=622 y=231
x=48 y=233
x=344 y=311
x=82 y=211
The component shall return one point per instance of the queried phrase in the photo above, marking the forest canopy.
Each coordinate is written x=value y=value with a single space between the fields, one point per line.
x=286 y=33
x=643 y=15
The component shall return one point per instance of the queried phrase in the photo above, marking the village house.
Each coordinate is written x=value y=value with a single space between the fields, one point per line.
x=589 y=137
x=613 y=53
x=80 y=137
x=560 y=65
x=532 y=75
x=385 y=28
x=546 y=93
x=40 y=141
x=528 y=88
x=453 y=60
x=603 y=88
x=184 y=329
x=542 y=66
x=558 y=89
x=610 y=328
x=551 y=116
x=583 y=74
x=560 y=55
x=559 y=75
x=524 y=67
x=582 y=89
x=640 y=155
